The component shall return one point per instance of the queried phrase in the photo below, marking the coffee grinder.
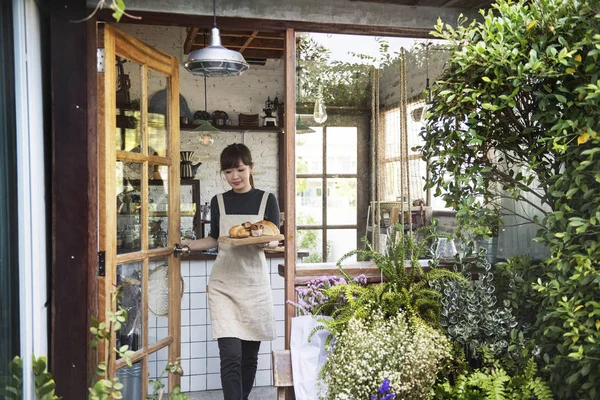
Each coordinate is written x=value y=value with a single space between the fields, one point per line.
x=270 y=107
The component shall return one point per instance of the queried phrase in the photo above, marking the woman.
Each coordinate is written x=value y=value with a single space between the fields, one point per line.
x=239 y=292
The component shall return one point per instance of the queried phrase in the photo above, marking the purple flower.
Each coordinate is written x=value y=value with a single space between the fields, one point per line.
x=385 y=386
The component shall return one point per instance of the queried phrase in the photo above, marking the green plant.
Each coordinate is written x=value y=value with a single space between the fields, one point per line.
x=117 y=6
x=43 y=382
x=406 y=289
x=172 y=368
x=371 y=350
x=470 y=312
x=106 y=386
x=493 y=382
x=523 y=85
x=514 y=280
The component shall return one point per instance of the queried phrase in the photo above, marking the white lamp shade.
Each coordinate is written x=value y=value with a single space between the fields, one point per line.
x=216 y=60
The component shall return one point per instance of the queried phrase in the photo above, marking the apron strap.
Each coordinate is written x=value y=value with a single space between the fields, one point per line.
x=263 y=205
x=221 y=204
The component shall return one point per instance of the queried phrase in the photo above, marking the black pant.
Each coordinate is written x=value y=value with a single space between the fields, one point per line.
x=239 y=359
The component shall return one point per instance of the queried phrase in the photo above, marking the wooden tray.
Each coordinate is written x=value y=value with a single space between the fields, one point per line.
x=250 y=240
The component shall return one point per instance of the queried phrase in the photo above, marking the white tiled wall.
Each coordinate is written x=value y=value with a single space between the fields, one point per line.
x=199 y=353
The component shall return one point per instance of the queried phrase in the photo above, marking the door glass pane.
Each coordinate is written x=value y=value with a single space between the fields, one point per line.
x=128 y=207
x=309 y=156
x=157 y=113
x=158 y=204
x=309 y=201
x=311 y=241
x=129 y=121
x=341 y=201
x=340 y=242
x=158 y=299
x=189 y=211
x=131 y=378
x=129 y=278
x=342 y=147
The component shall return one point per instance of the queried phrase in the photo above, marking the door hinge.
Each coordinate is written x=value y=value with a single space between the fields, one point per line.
x=101 y=263
x=100 y=60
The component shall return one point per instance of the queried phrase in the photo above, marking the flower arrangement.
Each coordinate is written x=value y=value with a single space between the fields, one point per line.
x=371 y=351
x=312 y=296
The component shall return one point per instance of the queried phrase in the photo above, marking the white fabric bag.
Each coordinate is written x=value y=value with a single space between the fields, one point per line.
x=307 y=357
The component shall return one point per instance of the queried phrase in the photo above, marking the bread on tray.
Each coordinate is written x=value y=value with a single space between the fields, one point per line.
x=247 y=229
x=238 y=232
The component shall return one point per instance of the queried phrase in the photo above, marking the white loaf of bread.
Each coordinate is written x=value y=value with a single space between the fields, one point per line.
x=269 y=228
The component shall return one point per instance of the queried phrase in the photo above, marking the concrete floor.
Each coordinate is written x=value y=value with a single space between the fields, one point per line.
x=258 y=393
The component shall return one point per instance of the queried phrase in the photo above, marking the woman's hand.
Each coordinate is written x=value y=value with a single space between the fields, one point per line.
x=269 y=245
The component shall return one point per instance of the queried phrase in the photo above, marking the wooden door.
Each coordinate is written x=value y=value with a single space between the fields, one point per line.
x=138 y=107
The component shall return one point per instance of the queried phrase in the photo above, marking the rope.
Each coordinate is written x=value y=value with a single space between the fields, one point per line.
x=373 y=159
x=377 y=155
x=404 y=134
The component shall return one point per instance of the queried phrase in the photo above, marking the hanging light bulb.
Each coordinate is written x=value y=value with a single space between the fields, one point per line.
x=320 y=112
x=206 y=139
x=206 y=131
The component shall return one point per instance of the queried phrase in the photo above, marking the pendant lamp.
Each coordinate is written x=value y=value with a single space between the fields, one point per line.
x=215 y=60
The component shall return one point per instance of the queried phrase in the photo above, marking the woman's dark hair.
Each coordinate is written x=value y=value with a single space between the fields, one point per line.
x=233 y=154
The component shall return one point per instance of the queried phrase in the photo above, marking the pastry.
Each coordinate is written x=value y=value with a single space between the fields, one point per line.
x=238 y=232
x=247 y=225
x=256 y=229
x=269 y=228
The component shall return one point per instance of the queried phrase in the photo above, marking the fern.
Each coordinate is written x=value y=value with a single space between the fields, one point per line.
x=404 y=289
x=493 y=382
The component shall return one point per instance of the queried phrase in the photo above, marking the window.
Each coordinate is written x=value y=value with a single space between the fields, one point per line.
x=391 y=154
x=327 y=163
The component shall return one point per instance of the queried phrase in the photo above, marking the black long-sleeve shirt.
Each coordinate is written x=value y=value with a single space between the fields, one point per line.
x=243 y=203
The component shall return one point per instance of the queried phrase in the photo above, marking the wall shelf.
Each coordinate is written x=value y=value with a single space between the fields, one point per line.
x=190 y=127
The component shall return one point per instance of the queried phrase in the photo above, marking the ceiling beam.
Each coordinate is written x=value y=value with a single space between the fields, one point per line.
x=249 y=40
x=190 y=39
x=239 y=42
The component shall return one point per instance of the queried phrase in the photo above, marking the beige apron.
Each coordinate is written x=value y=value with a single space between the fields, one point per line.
x=239 y=291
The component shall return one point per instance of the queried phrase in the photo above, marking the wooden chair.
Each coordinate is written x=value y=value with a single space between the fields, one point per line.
x=282 y=372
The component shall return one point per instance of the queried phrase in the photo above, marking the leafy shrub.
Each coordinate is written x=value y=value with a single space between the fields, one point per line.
x=406 y=286
x=369 y=351
x=522 y=84
x=470 y=312
x=514 y=281
x=493 y=382
x=11 y=387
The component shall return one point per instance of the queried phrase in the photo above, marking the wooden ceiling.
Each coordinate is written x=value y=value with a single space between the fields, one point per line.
x=254 y=45
x=257 y=46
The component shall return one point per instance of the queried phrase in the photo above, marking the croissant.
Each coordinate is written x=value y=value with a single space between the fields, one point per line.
x=238 y=232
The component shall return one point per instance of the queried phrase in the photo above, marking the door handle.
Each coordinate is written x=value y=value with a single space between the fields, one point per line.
x=179 y=250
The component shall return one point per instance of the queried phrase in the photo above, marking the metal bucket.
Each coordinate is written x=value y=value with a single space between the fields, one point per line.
x=131 y=378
